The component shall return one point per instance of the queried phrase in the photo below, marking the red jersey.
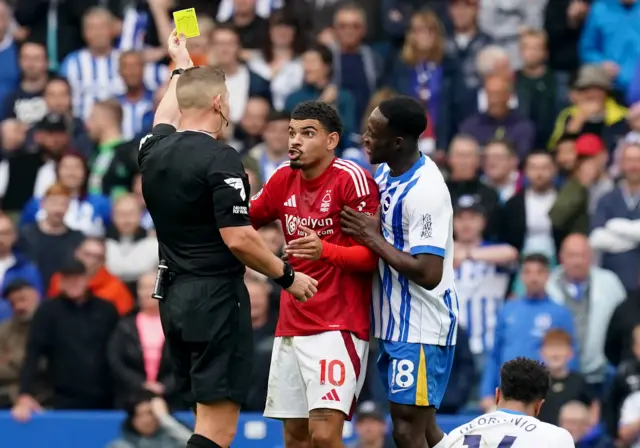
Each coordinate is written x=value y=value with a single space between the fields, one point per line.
x=344 y=297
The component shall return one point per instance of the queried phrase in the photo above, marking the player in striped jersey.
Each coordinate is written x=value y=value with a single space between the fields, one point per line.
x=415 y=305
x=523 y=386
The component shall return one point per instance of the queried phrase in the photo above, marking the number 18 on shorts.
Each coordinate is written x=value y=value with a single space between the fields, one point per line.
x=322 y=371
x=415 y=374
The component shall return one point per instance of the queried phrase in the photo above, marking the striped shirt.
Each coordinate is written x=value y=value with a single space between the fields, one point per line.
x=133 y=113
x=417 y=218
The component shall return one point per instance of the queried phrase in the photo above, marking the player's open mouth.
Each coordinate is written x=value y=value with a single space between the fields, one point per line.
x=293 y=154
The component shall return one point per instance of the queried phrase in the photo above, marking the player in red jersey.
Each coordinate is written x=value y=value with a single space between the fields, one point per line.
x=320 y=352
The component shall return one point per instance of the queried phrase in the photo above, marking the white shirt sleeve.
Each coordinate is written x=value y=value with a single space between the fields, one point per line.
x=630 y=411
x=430 y=217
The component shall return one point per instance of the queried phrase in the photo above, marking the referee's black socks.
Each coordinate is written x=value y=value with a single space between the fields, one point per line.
x=198 y=441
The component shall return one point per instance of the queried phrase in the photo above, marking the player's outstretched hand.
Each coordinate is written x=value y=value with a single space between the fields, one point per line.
x=362 y=226
x=304 y=287
x=308 y=247
x=177 y=46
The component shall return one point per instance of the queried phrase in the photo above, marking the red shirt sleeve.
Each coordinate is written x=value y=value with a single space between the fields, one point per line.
x=263 y=207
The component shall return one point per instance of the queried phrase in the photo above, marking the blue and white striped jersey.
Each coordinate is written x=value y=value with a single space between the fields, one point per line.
x=417 y=218
x=134 y=27
x=133 y=113
x=94 y=79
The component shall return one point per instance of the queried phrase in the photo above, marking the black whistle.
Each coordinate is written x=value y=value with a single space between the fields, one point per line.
x=158 y=287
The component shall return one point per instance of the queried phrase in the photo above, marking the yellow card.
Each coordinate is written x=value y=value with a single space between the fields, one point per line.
x=186 y=22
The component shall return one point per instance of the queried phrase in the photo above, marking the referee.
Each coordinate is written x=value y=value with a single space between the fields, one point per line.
x=196 y=189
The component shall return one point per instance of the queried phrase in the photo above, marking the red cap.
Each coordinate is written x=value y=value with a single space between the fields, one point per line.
x=589 y=145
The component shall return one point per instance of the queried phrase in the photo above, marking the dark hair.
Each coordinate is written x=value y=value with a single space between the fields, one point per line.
x=536 y=258
x=566 y=137
x=58 y=79
x=325 y=53
x=226 y=27
x=285 y=16
x=538 y=152
x=322 y=112
x=524 y=380
x=130 y=406
x=75 y=154
x=16 y=285
x=508 y=144
x=277 y=115
x=405 y=116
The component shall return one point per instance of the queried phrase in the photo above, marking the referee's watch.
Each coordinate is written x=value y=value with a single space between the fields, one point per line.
x=287 y=278
x=178 y=71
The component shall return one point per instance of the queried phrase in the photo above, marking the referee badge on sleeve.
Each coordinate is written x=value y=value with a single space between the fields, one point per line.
x=237 y=183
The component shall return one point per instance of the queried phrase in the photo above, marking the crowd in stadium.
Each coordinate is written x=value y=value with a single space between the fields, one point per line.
x=533 y=111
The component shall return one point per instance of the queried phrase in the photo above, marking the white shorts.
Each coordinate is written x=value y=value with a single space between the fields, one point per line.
x=323 y=371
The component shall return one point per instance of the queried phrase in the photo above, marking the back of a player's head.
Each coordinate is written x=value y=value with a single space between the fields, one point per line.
x=201 y=88
x=323 y=113
x=405 y=116
x=524 y=380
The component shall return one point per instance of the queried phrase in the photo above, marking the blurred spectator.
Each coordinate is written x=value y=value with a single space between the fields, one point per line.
x=88 y=213
x=31 y=173
x=525 y=222
x=500 y=168
x=137 y=99
x=592 y=294
x=248 y=132
x=24 y=300
x=130 y=251
x=566 y=386
x=500 y=121
x=356 y=67
x=566 y=157
x=10 y=78
x=493 y=60
x=102 y=283
x=138 y=357
x=575 y=418
x=629 y=424
x=198 y=46
x=71 y=334
x=522 y=324
x=318 y=68
x=49 y=242
x=611 y=38
x=244 y=83
x=279 y=61
x=616 y=223
x=116 y=161
x=563 y=23
x=149 y=424
x=13 y=265
x=263 y=332
x=593 y=110
x=633 y=96
x=461 y=384
x=26 y=103
x=503 y=21
x=482 y=275
x=271 y=153
x=252 y=29
x=464 y=179
x=623 y=341
x=136 y=189
x=536 y=85
x=371 y=427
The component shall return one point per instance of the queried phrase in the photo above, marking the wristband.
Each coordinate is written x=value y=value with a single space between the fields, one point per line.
x=287 y=278
x=178 y=71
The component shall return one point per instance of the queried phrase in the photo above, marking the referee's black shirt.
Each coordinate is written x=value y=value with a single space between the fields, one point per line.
x=193 y=185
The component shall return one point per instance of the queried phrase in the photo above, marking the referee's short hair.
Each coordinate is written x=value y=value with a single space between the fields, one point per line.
x=197 y=87
x=324 y=113
x=405 y=116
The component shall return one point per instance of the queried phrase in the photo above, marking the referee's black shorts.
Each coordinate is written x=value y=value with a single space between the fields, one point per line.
x=207 y=326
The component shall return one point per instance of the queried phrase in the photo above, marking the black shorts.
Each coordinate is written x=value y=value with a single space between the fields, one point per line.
x=207 y=326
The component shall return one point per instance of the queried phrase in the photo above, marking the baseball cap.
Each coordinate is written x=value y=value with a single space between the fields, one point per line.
x=589 y=145
x=52 y=122
x=592 y=75
x=468 y=203
x=73 y=267
x=369 y=409
x=16 y=285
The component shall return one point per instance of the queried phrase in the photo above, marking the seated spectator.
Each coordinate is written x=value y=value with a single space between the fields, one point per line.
x=536 y=85
x=149 y=424
x=461 y=383
x=493 y=60
x=371 y=427
x=130 y=251
x=418 y=71
x=318 y=68
x=102 y=283
x=71 y=334
x=138 y=357
x=252 y=29
x=575 y=418
x=566 y=157
x=87 y=213
x=593 y=110
x=274 y=150
x=26 y=103
x=24 y=300
x=500 y=121
x=49 y=242
x=522 y=324
x=566 y=386
x=592 y=294
x=244 y=83
x=632 y=138
x=248 y=132
x=14 y=266
x=616 y=223
x=628 y=426
x=620 y=342
x=500 y=168
x=278 y=60
x=137 y=99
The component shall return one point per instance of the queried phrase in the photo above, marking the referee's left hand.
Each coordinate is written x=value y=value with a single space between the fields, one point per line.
x=308 y=247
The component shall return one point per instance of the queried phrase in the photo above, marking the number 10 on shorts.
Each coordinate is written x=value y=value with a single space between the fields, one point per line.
x=333 y=371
